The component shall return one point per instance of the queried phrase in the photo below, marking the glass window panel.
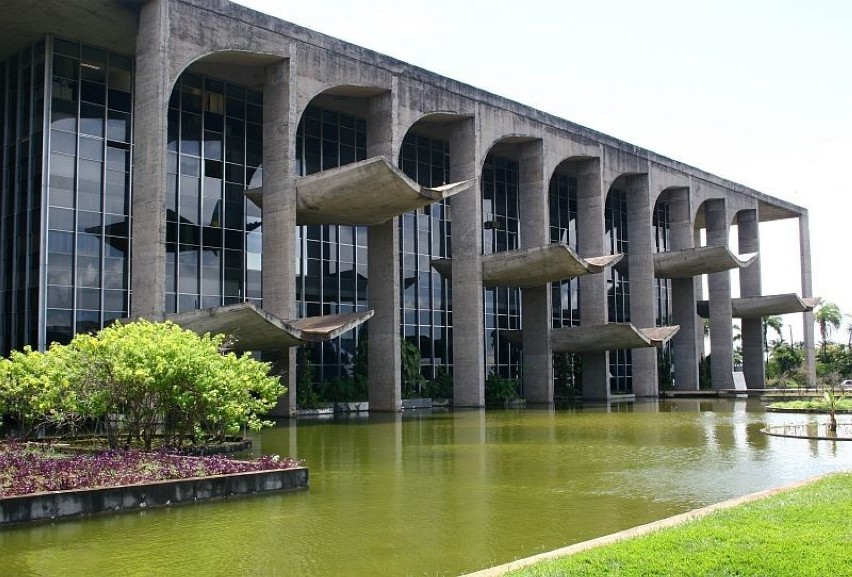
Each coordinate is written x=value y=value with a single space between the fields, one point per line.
x=92 y=119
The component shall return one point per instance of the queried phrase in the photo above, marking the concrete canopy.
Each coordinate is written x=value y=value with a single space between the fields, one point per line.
x=764 y=306
x=368 y=192
x=608 y=337
x=531 y=267
x=254 y=329
x=601 y=338
x=696 y=261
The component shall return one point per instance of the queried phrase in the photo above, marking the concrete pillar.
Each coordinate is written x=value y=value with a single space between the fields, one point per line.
x=385 y=388
x=748 y=240
x=642 y=295
x=279 y=219
x=719 y=286
x=593 y=305
x=468 y=309
x=686 y=353
x=151 y=98
x=535 y=302
x=807 y=291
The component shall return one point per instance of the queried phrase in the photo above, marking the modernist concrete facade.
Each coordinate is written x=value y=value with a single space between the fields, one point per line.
x=163 y=156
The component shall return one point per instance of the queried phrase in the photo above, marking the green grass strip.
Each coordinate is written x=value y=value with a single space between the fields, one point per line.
x=820 y=404
x=803 y=532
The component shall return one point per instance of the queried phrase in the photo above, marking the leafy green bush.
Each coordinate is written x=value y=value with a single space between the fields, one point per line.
x=140 y=380
x=499 y=389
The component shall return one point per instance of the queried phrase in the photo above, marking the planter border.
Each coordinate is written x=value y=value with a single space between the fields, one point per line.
x=58 y=505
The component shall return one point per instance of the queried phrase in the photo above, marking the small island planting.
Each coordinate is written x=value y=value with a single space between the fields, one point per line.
x=133 y=388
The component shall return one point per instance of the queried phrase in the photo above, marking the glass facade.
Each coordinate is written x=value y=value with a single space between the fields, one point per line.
x=563 y=228
x=22 y=78
x=332 y=270
x=213 y=232
x=565 y=294
x=663 y=297
x=424 y=236
x=501 y=232
x=618 y=288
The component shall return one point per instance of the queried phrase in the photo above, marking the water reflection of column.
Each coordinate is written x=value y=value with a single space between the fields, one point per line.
x=471 y=507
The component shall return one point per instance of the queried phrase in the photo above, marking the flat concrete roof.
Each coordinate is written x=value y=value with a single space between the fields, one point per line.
x=696 y=261
x=113 y=24
x=255 y=329
x=764 y=306
x=371 y=191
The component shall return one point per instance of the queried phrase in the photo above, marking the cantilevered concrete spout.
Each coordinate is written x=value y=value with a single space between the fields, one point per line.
x=534 y=266
x=600 y=338
x=764 y=306
x=692 y=262
x=254 y=329
x=530 y=267
x=368 y=192
x=608 y=337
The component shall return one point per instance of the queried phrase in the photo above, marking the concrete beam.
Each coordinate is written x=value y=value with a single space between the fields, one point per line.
x=691 y=262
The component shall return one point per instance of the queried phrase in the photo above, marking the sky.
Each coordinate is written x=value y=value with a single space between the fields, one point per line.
x=759 y=92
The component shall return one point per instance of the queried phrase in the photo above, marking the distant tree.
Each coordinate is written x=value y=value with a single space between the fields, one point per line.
x=828 y=317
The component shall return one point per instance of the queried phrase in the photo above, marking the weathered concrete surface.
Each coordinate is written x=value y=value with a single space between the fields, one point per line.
x=807 y=292
x=534 y=266
x=748 y=240
x=690 y=262
x=255 y=329
x=719 y=288
x=84 y=502
x=602 y=338
x=609 y=337
x=368 y=192
x=765 y=305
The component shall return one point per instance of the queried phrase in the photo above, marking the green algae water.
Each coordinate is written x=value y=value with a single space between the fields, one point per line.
x=444 y=493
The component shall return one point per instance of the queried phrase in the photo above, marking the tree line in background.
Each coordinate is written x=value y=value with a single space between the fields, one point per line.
x=785 y=360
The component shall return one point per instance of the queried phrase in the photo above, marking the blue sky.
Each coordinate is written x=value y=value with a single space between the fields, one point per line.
x=759 y=92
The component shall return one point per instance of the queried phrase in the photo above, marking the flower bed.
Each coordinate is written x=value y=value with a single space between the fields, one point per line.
x=41 y=484
x=27 y=469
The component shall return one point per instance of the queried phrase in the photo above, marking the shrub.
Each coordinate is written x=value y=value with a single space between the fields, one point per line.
x=141 y=379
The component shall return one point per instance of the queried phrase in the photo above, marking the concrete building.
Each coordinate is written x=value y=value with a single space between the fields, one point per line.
x=162 y=157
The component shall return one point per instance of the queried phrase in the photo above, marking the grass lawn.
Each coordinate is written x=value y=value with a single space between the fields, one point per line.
x=844 y=404
x=803 y=532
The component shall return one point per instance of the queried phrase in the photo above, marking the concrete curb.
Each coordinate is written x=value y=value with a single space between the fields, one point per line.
x=58 y=505
x=639 y=530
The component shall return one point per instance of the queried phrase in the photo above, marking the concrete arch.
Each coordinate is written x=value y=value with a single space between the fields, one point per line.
x=242 y=67
x=507 y=141
x=453 y=127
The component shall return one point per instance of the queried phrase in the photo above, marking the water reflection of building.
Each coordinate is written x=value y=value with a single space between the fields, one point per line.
x=129 y=142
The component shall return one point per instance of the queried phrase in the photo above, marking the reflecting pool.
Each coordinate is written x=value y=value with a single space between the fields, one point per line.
x=445 y=493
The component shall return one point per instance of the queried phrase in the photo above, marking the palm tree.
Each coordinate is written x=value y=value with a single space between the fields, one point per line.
x=828 y=317
x=775 y=323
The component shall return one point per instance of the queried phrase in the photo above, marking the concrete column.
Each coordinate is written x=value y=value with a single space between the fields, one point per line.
x=468 y=309
x=535 y=302
x=686 y=352
x=385 y=388
x=593 y=305
x=279 y=219
x=642 y=295
x=384 y=351
x=748 y=240
x=151 y=99
x=807 y=291
x=719 y=286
